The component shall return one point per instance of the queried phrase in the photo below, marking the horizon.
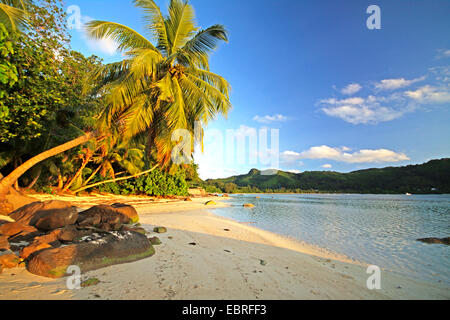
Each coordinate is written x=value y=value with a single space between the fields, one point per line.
x=344 y=97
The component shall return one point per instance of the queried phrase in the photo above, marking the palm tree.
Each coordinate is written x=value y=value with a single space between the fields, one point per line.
x=157 y=89
x=13 y=13
x=164 y=83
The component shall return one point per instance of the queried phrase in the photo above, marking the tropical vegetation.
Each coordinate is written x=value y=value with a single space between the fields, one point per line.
x=69 y=123
x=430 y=177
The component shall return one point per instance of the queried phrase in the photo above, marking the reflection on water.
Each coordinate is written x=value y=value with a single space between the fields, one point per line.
x=376 y=229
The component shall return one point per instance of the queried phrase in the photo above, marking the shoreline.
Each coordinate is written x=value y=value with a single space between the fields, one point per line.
x=205 y=256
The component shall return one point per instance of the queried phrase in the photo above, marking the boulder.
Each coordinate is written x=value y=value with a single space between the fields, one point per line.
x=30 y=213
x=127 y=210
x=160 y=230
x=97 y=251
x=13 y=229
x=32 y=248
x=8 y=259
x=249 y=205
x=134 y=229
x=56 y=218
x=103 y=215
x=435 y=240
x=4 y=244
x=155 y=241
x=68 y=233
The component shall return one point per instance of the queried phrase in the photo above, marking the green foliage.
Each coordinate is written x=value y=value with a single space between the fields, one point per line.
x=431 y=177
x=8 y=72
x=155 y=183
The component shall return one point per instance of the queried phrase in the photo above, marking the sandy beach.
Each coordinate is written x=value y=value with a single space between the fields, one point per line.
x=204 y=256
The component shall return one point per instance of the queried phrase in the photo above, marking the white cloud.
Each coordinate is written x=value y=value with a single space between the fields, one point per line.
x=362 y=114
x=351 y=89
x=353 y=101
x=430 y=94
x=78 y=22
x=327 y=166
x=268 y=119
x=443 y=53
x=294 y=171
x=338 y=154
x=393 y=84
x=369 y=110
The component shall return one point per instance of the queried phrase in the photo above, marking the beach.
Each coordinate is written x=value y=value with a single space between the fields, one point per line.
x=204 y=256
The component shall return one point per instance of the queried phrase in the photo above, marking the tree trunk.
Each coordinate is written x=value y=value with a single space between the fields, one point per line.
x=9 y=180
x=78 y=173
x=116 y=179
x=36 y=178
x=92 y=175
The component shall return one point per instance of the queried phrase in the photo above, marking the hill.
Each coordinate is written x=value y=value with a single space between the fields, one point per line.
x=430 y=177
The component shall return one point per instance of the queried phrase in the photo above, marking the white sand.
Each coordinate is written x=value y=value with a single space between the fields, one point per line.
x=179 y=270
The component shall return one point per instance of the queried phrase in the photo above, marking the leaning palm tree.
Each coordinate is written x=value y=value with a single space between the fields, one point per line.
x=13 y=13
x=164 y=83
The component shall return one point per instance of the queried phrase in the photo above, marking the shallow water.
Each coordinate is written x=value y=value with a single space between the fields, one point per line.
x=376 y=229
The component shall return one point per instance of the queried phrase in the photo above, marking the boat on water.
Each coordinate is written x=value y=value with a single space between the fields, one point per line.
x=408 y=194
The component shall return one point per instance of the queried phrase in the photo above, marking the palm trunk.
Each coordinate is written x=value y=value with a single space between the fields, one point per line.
x=92 y=175
x=116 y=179
x=36 y=178
x=9 y=180
x=79 y=172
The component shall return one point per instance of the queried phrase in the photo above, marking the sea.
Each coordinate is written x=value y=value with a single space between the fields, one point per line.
x=379 y=230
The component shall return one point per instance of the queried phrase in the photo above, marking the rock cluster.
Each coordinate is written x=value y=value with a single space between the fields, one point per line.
x=435 y=240
x=48 y=237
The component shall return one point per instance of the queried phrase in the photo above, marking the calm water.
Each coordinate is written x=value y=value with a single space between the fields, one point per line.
x=376 y=229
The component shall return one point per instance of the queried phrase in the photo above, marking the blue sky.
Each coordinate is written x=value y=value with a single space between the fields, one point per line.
x=342 y=96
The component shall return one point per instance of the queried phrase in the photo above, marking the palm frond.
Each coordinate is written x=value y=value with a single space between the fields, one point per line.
x=180 y=24
x=125 y=37
x=155 y=23
x=14 y=18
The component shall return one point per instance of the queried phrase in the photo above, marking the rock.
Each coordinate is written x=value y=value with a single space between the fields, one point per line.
x=107 y=215
x=32 y=248
x=98 y=252
x=93 y=220
x=56 y=218
x=8 y=259
x=90 y=282
x=12 y=229
x=249 y=205
x=68 y=234
x=188 y=199
x=435 y=240
x=155 y=241
x=160 y=230
x=225 y=195
x=210 y=203
x=48 y=238
x=4 y=244
x=30 y=213
x=196 y=192
x=262 y=262
x=127 y=210
x=134 y=229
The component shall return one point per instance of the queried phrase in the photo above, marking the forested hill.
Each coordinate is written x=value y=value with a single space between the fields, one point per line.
x=430 y=177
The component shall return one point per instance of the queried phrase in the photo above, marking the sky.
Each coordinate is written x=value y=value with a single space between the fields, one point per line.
x=338 y=95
